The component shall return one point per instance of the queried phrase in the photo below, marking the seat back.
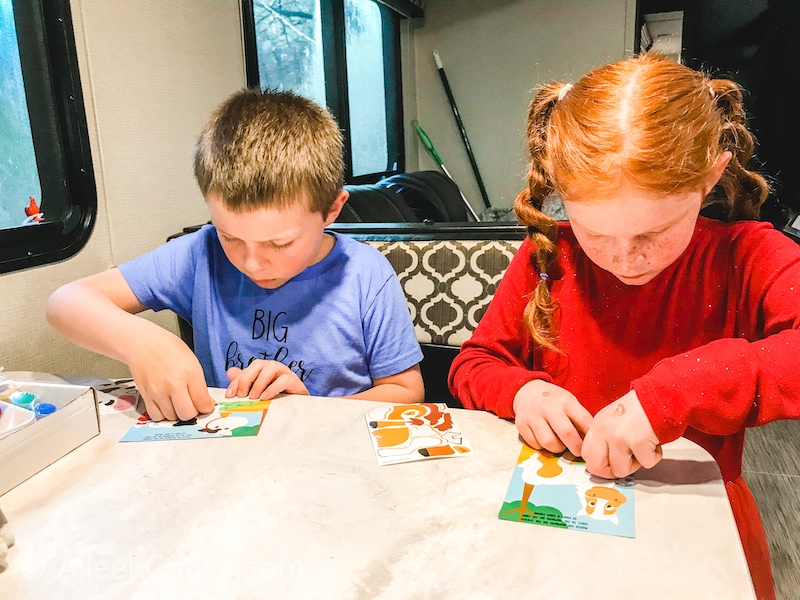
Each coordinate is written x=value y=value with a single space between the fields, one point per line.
x=449 y=276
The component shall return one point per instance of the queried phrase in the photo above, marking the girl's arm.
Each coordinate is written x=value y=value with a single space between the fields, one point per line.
x=728 y=384
x=497 y=360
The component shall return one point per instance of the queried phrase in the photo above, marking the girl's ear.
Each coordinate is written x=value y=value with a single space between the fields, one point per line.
x=336 y=207
x=717 y=170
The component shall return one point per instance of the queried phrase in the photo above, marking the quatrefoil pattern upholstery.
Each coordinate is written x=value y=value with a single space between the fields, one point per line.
x=448 y=283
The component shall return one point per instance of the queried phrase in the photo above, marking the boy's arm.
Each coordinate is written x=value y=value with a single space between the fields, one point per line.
x=99 y=313
x=403 y=388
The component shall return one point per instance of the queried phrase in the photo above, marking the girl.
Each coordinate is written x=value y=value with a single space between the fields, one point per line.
x=640 y=321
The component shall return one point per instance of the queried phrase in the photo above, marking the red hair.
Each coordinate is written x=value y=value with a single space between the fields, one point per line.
x=647 y=121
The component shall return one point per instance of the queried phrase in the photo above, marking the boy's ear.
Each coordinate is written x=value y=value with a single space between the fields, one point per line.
x=336 y=207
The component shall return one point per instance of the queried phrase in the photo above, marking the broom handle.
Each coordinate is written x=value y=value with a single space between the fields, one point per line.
x=461 y=128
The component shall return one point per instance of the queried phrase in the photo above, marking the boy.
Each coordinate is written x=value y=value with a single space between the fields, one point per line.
x=276 y=303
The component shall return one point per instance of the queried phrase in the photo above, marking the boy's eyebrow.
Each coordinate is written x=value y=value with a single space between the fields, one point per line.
x=289 y=236
x=225 y=233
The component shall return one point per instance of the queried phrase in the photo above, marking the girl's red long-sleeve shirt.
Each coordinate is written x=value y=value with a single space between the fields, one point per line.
x=711 y=345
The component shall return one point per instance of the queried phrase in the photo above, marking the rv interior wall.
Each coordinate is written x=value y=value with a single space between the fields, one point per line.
x=151 y=72
x=494 y=54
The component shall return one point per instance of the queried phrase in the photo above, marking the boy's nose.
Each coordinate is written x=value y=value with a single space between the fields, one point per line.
x=255 y=262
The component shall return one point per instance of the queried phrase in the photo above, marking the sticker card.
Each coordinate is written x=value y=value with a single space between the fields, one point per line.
x=556 y=490
x=229 y=419
x=409 y=432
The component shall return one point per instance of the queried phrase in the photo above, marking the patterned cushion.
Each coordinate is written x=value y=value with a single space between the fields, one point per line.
x=448 y=284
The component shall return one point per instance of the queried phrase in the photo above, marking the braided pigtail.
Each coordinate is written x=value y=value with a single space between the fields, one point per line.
x=742 y=192
x=539 y=314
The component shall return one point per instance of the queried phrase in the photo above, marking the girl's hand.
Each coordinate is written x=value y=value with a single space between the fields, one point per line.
x=621 y=440
x=549 y=417
x=263 y=379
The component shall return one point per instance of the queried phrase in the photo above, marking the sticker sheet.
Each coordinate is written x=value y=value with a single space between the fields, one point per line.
x=408 y=432
x=230 y=419
x=117 y=395
x=556 y=490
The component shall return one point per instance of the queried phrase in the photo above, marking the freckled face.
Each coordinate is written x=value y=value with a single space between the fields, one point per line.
x=272 y=245
x=634 y=235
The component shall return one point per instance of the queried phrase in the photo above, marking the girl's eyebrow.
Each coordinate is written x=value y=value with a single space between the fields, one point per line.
x=659 y=229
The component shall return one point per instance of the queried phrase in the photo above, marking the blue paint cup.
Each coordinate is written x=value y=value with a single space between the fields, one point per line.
x=42 y=409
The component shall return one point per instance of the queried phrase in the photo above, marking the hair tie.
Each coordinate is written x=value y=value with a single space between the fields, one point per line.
x=544 y=276
x=563 y=91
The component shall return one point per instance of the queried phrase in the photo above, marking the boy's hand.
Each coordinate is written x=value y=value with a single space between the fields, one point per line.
x=169 y=378
x=263 y=379
x=549 y=417
x=621 y=440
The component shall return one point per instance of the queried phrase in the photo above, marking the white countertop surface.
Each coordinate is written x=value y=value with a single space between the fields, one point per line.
x=304 y=511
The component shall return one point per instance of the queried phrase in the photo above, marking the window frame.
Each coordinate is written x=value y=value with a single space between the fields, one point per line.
x=60 y=138
x=332 y=16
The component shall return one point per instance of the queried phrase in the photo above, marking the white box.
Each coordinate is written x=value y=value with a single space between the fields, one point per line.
x=28 y=450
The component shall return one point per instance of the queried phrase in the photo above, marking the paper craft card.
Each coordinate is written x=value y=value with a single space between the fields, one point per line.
x=408 y=432
x=557 y=491
x=229 y=419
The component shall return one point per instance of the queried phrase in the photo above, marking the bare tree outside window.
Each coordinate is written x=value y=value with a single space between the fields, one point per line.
x=289 y=46
x=291 y=56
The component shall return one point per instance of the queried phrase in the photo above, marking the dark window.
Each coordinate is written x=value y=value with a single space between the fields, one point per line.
x=344 y=54
x=48 y=198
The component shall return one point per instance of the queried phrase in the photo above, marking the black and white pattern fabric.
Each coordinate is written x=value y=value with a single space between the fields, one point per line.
x=448 y=284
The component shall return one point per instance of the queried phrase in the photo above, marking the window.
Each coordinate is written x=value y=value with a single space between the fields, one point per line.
x=344 y=54
x=48 y=198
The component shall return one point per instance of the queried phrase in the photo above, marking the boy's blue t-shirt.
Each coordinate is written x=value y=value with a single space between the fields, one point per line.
x=338 y=325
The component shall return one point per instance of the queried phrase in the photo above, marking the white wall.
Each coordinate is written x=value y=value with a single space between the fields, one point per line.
x=494 y=54
x=151 y=72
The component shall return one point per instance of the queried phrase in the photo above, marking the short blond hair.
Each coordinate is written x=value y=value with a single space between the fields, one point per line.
x=270 y=148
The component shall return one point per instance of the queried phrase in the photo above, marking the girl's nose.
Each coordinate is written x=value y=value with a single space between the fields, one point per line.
x=629 y=255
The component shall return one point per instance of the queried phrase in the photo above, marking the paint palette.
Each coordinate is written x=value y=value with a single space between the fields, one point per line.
x=13 y=418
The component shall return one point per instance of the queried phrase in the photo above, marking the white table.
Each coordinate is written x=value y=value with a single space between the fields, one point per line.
x=304 y=511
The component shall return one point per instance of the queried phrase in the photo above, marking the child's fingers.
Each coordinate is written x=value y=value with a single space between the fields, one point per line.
x=152 y=409
x=183 y=405
x=232 y=374
x=567 y=432
x=547 y=437
x=648 y=453
x=281 y=384
x=595 y=453
x=242 y=383
x=268 y=376
x=528 y=436
x=166 y=408
x=580 y=417
x=200 y=398
x=621 y=460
